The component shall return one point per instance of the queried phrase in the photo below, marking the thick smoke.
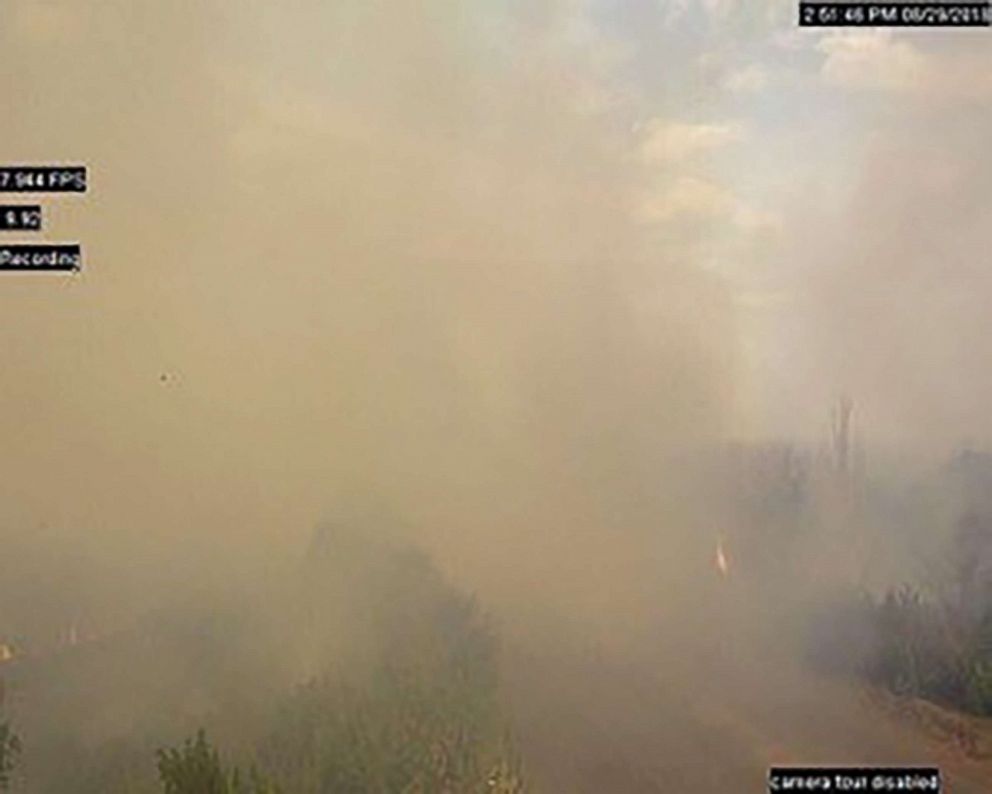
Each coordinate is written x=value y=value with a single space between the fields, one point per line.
x=348 y=250
x=441 y=272
x=891 y=295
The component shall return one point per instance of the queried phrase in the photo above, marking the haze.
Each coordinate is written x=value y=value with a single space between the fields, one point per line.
x=505 y=281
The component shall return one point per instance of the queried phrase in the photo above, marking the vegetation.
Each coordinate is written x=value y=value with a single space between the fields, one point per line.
x=10 y=748
x=930 y=650
x=195 y=768
x=368 y=673
x=432 y=727
x=936 y=646
x=425 y=716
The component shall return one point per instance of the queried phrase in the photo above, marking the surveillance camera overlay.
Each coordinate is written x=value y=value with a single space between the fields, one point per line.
x=546 y=396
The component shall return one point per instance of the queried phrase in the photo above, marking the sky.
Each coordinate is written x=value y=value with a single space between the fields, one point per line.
x=836 y=179
x=779 y=159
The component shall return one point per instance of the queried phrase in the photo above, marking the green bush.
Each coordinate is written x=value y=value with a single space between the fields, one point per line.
x=426 y=717
x=10 y=748
x=918 y=647
x=195 y=768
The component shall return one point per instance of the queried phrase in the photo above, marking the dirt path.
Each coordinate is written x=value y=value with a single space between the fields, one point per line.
x=710 y=722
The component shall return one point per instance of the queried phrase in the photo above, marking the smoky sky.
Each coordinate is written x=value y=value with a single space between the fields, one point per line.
x=348 y=252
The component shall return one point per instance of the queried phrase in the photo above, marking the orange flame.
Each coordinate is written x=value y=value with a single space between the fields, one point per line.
x=722 y=564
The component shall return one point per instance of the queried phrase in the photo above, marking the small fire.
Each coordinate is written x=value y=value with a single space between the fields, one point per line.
x=722 y=565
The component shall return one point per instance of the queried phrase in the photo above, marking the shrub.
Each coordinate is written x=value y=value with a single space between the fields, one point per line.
x=10 y=748
x=195 y=768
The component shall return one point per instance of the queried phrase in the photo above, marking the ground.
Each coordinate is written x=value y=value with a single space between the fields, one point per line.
x=698 y=717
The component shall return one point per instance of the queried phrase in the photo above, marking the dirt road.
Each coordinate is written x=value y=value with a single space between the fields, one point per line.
x=705 y=720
